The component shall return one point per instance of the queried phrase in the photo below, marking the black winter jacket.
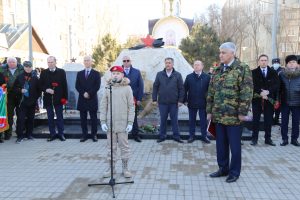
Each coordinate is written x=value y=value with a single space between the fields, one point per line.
x=290 y=87
x=168 y=90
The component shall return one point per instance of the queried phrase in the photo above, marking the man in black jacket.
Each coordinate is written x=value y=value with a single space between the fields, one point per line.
x=10 y=71
x=87 y=84
x=27 y=90
x=53 y=83
x=168 y=90
x=137 y=86
x=276 y=66
x=290 y=100
x=195 y=87
x=266 y=85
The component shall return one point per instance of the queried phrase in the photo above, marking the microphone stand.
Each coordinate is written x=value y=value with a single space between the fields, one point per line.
x=112 y=181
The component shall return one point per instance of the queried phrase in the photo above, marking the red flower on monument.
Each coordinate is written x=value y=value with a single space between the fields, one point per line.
x=63 y=101
x=148 y=41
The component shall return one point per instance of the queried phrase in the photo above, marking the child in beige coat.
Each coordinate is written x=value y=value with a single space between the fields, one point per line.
x=122 y=118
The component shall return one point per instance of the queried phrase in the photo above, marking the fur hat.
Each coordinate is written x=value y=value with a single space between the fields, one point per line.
x=290 y=58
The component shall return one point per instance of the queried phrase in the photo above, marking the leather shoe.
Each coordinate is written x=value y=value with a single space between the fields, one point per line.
x=190 y=140
x=284 y=143
x=295 y=143
x=51 y=138
x=270 y=142
x=83 y=139
x=94 y=138
x=1 y=140
x=231 y=179
x=205 y=140
x=62 y=138
x=160 y=140
x=218 y=173
x=137 y=138
x=178 y=140
x=253 y=143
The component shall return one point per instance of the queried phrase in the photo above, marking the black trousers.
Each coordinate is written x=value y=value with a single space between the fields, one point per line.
x=268 y=110
x=94 y=122
x=25 y=119
x=135 y=126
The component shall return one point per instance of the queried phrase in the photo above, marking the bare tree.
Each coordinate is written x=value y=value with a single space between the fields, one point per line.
x=214 y=18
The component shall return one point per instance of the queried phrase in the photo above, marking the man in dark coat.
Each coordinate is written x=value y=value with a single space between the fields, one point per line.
x=87 y=84
x=10 y=71
x=290 y=100
x=276 y=66
x=168 y=91
x=137 y=86
x=266 y=85
x=27 y=89
x=53 y=83
x=196 y=87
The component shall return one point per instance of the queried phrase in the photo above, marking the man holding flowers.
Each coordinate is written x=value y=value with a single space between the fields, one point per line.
x=53 y=83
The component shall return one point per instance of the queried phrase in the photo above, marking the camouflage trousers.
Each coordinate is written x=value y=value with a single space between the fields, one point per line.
x=121 y=140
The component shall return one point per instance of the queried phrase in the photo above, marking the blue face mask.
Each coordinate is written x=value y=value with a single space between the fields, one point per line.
x=276 y=66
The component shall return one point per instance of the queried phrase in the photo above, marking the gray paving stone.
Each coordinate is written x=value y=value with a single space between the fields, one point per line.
x=39 y=170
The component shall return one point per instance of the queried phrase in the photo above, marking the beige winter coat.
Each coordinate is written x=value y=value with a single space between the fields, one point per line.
x=122 y=106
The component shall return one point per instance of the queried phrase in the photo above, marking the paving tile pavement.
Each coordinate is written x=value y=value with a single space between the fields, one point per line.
x=39 y=170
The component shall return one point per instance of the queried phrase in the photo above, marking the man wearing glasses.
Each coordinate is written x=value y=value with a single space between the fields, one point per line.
x=137 y=86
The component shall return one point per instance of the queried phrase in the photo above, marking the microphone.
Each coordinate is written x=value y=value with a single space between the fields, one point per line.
x=114 y=80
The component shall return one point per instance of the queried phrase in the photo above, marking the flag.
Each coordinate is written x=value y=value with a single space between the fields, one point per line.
x=3 y=109
x=211 y=129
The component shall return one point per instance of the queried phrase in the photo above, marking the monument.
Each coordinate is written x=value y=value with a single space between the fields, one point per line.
x=172 y=28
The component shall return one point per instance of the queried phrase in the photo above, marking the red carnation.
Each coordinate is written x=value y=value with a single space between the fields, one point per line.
x=6 y=79
x=63 y=101
x=54 y=84
x=276 y=105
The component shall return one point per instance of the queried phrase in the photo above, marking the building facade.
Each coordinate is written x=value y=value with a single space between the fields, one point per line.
x=249 y=24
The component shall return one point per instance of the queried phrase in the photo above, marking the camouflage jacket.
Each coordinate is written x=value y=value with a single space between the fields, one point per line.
x=230 y=93
x=10 y=78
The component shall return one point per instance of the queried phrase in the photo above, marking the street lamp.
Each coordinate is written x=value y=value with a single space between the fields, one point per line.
x=30 y=32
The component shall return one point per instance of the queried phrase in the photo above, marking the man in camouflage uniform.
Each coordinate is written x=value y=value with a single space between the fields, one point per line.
x=10 y=72
x=229 y=96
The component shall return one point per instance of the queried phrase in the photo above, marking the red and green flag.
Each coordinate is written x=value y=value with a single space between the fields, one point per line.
x=3 y=108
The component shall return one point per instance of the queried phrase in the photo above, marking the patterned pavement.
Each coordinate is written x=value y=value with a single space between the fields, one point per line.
x=39 y=170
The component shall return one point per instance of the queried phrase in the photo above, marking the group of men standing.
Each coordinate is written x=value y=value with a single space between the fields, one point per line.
x=223 y=97
x=23 y=90
x=276 y=89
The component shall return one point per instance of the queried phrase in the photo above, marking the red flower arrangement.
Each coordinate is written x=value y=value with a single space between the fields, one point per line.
x=63 y=101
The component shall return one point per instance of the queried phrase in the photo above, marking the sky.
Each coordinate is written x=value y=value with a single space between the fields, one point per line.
x=131 y=16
